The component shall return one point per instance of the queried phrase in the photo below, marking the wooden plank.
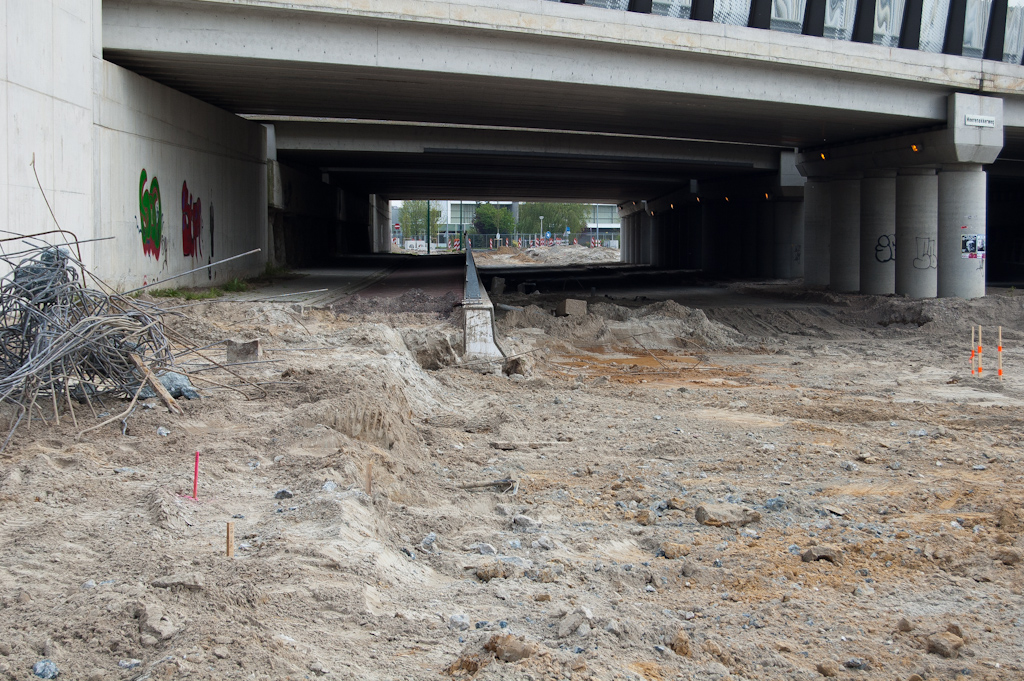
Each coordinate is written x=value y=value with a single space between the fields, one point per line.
x=155 y=383
x=231 y=540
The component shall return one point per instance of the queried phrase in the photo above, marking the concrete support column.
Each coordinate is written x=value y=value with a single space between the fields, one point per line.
x=711 y=236
x=789 y=239
x=917 y=219
x=962 y=243
x=645 y=238
x=766 y=240
x=817 y=231
x=844 y=249
x=625 y=227
x=878 y=232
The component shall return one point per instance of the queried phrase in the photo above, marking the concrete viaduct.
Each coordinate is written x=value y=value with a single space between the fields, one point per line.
x=741 y=139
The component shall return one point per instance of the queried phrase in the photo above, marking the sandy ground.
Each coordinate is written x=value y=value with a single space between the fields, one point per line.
x=843 y=428
x=552 y=256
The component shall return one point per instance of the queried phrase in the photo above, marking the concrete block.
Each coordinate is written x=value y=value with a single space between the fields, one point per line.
x=497 y=285
x=242 y=351
x=570 y=307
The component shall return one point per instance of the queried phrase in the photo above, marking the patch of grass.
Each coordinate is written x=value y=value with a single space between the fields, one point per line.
x=236 y=285
x=167 y=292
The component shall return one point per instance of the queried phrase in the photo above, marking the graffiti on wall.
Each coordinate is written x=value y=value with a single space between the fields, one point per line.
x=925 y=259
x=209 y=259
x=191 y=224
x=151 y=216
x=885 y=248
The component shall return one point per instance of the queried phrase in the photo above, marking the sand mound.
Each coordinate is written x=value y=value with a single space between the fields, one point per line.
x=664 y=325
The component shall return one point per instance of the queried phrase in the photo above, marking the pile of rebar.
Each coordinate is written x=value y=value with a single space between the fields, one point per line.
x=62 y=342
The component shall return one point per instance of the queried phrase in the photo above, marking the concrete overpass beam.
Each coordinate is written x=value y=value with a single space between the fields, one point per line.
x=961 y=233
x=817 y=231
x=844 y=246
x=917 y=219
x=878 y=232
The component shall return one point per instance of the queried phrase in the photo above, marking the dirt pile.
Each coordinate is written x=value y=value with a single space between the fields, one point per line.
x=393 y=521
x=556 y=256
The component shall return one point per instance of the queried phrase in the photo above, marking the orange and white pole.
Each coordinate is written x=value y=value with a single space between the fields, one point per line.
x=972 y=349
x=979 y=351
x=999 y=353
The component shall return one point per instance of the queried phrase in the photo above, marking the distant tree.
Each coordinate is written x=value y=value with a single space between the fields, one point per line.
x=491 y=219
x=413 y=218
x=557 y=216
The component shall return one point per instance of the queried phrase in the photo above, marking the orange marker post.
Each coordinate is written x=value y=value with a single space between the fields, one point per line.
x=972 y=349
x=999 y=353
x=979 y=351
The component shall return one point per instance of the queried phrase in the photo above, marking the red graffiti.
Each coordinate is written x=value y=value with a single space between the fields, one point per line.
x=191 y=224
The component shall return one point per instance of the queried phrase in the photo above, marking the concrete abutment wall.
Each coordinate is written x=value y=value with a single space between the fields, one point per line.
x=175 y=182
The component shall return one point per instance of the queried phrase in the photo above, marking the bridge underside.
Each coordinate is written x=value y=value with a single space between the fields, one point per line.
x=695 y=143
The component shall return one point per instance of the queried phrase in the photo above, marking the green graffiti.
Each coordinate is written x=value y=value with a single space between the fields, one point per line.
x=151 y=215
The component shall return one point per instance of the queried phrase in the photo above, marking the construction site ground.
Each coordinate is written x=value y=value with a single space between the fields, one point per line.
x=400 y=513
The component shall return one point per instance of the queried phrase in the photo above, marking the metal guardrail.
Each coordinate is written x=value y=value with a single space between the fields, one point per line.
x=472 y=290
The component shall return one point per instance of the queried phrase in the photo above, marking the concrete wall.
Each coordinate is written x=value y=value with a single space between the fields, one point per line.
x=49 y=60
x=211 y=174
x=93 y=127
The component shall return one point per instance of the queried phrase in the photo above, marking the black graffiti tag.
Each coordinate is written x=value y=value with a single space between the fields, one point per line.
x=925 y=259
x=885 y=248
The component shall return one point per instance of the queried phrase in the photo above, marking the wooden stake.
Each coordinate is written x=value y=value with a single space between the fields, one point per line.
x=972 y=349
x=999 y=353
x=153 y=381
x=979 y=350
x=231 y=540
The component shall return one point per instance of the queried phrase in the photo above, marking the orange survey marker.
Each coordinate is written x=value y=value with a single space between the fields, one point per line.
x=972 y=349
x=979 y=350
x=999 y=353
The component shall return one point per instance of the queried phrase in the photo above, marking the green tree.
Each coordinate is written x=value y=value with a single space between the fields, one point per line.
x=413 y=218
x=490 y=219
x=557 y=216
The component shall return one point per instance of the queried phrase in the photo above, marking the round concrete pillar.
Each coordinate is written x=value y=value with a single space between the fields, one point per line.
x=817 y=231
x=878 y=233
x=624 y=227
x=789 y=239
x=765 y=225
x=961 y=243
x=917 y=219
x=844 y=249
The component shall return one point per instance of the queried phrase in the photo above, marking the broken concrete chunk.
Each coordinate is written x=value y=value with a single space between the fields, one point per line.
x=153 y=622
x=571 y=308
x=945 y=644
x=673 y=550
x=729 y=515
x=576 y=621
x=904 y=625
x=821 y=553
x=828 y=668
x=190 y=580
x=508 y=648
x=524 y=522
x=243 y=351
x=1007 y=556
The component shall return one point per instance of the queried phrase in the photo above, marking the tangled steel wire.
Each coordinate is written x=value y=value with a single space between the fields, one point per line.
x=62 y=341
